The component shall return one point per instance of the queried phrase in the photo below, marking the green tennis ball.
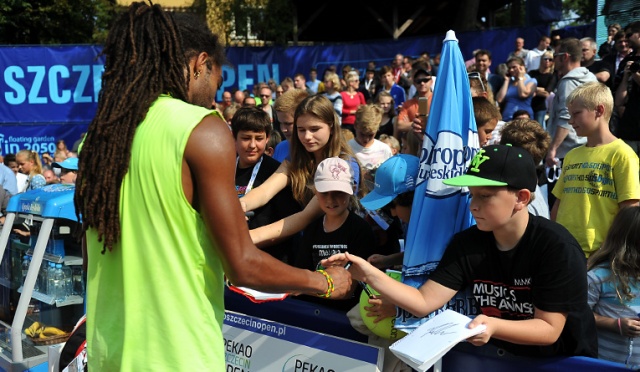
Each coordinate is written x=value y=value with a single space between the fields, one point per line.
x=383 y=328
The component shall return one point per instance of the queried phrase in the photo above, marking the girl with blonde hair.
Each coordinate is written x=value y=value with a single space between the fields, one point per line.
x=29 y=164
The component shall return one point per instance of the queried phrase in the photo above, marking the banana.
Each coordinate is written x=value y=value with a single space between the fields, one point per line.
x=33 y=329
x=52 y=331
x=39 y=330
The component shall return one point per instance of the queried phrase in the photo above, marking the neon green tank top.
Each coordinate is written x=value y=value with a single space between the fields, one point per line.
x=155 y=303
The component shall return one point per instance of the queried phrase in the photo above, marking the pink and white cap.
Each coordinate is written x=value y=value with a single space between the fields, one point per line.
x=334 y=174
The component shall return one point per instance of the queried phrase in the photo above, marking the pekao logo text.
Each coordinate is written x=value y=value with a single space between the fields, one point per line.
x=445 y=158
x=237 y=356
x=303 y=363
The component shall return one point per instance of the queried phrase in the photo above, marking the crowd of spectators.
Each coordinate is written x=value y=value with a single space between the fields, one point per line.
x=377 y=113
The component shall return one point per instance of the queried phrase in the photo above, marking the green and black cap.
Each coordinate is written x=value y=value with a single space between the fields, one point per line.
x=499 y=165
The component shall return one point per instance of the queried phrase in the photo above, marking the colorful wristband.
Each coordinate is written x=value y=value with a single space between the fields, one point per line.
x=330 y=286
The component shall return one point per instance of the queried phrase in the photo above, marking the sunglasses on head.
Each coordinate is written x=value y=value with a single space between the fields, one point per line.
x=422 y=80
x=476 y=75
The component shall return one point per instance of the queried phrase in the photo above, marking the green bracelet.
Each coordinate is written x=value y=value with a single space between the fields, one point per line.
x=330 y=286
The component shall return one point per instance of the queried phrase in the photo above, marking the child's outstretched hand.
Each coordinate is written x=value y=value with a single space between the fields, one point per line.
x=359 y=268
x=381 y=308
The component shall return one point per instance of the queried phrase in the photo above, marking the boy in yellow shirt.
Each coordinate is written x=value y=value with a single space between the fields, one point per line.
x=597 y=178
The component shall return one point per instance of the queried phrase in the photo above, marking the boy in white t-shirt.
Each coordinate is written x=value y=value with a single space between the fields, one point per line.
x=369 y=151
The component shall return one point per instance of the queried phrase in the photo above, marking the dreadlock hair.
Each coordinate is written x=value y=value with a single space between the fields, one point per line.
x=144 y=59
x=196 y=38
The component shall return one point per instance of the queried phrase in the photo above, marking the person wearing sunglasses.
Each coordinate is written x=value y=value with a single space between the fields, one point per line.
x=532 y=61
x=408 y=115
x=547 y=81
x=67 y=170
x=265 y=102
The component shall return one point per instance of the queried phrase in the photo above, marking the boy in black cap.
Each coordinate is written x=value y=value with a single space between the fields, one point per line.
x=527 y=274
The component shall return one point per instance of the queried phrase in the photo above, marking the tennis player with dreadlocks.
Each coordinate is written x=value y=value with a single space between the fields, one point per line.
x=159 y=207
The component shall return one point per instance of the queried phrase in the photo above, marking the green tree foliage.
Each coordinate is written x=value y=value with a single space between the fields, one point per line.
x=54 y=21
x=269 y=20
x=584 y=9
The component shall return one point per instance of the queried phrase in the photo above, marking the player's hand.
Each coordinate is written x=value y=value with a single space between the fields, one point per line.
x=358 y=266
x=341 y=281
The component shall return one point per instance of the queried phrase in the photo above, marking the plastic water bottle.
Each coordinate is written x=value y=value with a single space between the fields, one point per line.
x=59 y=283
x=25 y=267
x=41 y=280
x=78 y=283
x=50 y=290
x=67 y=274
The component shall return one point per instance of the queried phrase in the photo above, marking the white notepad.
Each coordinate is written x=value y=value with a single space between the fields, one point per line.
x=433 y=339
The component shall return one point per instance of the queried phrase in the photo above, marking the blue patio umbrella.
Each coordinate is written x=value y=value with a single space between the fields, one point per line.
x=439 y=211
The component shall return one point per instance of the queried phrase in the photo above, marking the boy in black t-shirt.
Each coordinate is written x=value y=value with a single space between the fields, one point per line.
x=251 y=128
x=527 y=274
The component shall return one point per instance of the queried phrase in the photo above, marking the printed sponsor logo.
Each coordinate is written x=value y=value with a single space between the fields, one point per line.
x=445 y=158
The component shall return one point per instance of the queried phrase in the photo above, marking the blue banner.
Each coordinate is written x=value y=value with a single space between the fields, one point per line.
x=47 y=94
x=52 y=91
x=49 y=84
x=38 y=138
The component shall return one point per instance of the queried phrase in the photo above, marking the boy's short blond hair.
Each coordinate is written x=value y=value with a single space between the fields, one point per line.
x=592 y=94
x=368 y=118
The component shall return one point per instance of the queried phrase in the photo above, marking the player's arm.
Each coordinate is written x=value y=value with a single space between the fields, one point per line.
x=209 y=182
